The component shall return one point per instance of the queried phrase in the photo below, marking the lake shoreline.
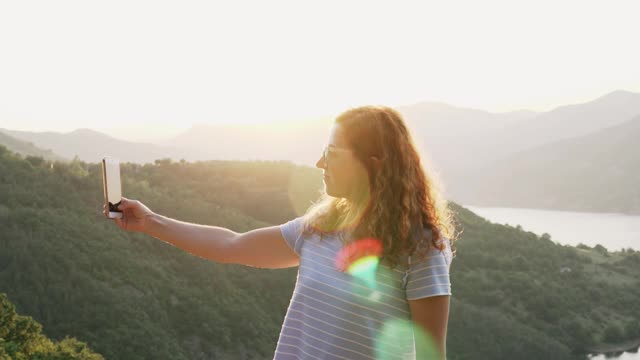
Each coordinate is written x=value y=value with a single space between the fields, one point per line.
x=566 y=210
x=570 y=228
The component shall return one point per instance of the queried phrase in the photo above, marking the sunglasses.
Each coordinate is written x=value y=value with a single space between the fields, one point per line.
x=332 y=149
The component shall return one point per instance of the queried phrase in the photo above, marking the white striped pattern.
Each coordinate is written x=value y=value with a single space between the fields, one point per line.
x=332 y=315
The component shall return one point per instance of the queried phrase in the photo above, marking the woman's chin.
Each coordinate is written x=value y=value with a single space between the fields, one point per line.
x=328 y=190
x=331 y=192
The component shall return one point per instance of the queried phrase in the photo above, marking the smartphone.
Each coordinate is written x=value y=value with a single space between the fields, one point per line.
x=111 y=186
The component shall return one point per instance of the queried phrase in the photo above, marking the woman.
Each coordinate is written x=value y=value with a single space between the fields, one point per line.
x=378 y=204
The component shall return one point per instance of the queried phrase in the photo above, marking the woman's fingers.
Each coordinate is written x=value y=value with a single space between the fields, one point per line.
x=132 y=213
x=124 y=204
x=121 y=223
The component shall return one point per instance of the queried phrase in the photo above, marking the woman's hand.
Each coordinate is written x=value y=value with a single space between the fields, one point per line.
x=135 y=215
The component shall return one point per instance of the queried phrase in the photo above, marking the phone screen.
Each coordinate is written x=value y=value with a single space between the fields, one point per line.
x=112 y=186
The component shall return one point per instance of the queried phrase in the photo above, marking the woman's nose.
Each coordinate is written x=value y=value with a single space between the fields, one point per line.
x=320 y=163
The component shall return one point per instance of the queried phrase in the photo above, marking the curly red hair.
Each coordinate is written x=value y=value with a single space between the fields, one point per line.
x=402 y=196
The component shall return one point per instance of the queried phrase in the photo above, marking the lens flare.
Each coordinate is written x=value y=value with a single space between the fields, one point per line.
x=399 y=338
x=361 y=259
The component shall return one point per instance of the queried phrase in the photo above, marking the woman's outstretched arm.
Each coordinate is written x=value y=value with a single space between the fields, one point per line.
x=264 y=247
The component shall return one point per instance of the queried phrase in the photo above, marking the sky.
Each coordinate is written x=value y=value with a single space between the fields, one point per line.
x=164 y=65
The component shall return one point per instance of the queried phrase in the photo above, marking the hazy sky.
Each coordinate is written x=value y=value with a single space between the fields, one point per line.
x=70 y=64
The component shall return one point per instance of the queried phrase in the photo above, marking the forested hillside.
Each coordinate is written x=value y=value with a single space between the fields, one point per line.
x=21 y=338
x=129 y=296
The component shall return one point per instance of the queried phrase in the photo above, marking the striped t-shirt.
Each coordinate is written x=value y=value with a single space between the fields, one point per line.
x=334 y=315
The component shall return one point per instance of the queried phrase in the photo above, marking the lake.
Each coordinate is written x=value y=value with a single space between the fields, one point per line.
x=624 y=356
x=613 y=231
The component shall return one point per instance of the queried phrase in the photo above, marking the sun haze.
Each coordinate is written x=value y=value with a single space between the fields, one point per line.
x=72 y=64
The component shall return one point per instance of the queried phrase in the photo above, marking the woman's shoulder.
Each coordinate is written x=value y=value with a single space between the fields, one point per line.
x=427 y=248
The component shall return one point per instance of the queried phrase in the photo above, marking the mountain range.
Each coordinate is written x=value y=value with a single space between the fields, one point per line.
x=595 y=172
x=465 y=148
x=27 y=148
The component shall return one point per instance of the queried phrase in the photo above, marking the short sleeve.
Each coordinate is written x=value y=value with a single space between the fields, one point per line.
x=292 y=234
x=430 y=276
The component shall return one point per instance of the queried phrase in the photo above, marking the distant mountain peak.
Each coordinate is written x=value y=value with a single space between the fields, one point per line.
x=621 y=93
x=85 y=131
x=89 y=133
x=618 y=95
